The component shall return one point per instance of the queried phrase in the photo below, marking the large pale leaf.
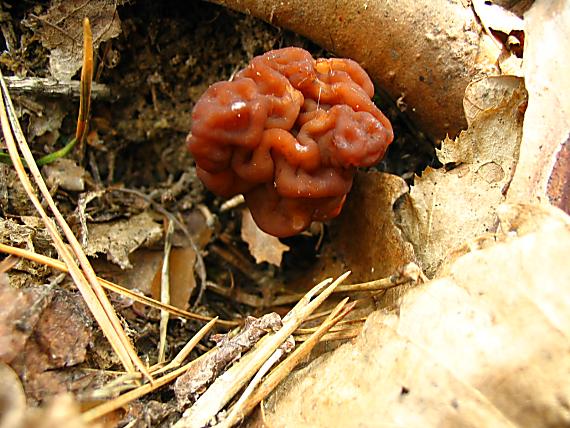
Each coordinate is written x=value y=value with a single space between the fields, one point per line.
x=448 y=207
x=486 y=346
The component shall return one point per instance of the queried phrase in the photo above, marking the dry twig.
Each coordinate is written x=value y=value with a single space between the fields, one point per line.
x=408 y=273
x=194 y=381
x=228 y=384
x=243 y=407
x=127 y=381
x=165 y=291
x=44 y=86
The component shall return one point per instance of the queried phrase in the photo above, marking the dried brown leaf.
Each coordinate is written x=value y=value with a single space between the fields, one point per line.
x=120 y=238
x=262 y=246
x=58 y=333
x=61 y=31
x=14 y=312
x=47 y=121
x=505 y=32
x=447 y=208
x=145 y=264
x=62 y=411
x=31 y=235
x=65 y=173
x=12 y=398
x=181 y=275
x=495 y=17
x=365 y=238
x=488 y=94
x=64 y=330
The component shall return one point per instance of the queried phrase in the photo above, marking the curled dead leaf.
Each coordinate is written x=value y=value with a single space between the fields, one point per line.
x=121 y=237
x=262 y=246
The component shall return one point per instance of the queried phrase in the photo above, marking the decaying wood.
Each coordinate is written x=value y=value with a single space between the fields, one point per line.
x=48 y=87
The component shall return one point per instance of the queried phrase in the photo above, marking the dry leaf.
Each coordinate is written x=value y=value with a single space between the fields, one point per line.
x=486 y=346
x=154 y=414
x=544 y=165
x=41 y=332
x=31 y=235
x=120 y=238
x=144 y=276
x=365 y=239
x=14 y=306
x=61 y=412
x=66 y=174
x=488 y=94
x=515 y=220
x=197 y=225
x=506 y=30
x=262 y=246
x=47 y=121
x=495 y=17
x=64 y=330
x=181 y=277
x=62 y=31
x=145 y=263
x=446 y=208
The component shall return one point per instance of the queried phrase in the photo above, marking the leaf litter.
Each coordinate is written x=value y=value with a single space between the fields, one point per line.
x=461 y=351
x=121 y=237
x=262 y=246
x=457 y=203
x=60 y=31
x=451 y=223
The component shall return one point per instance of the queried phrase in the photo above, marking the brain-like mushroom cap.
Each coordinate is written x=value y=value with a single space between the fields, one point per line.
x=288 y=133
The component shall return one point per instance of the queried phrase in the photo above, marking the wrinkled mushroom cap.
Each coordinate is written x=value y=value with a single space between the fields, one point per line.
x=288 y=133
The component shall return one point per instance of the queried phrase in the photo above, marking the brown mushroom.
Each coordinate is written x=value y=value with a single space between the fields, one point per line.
x=288 y=133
